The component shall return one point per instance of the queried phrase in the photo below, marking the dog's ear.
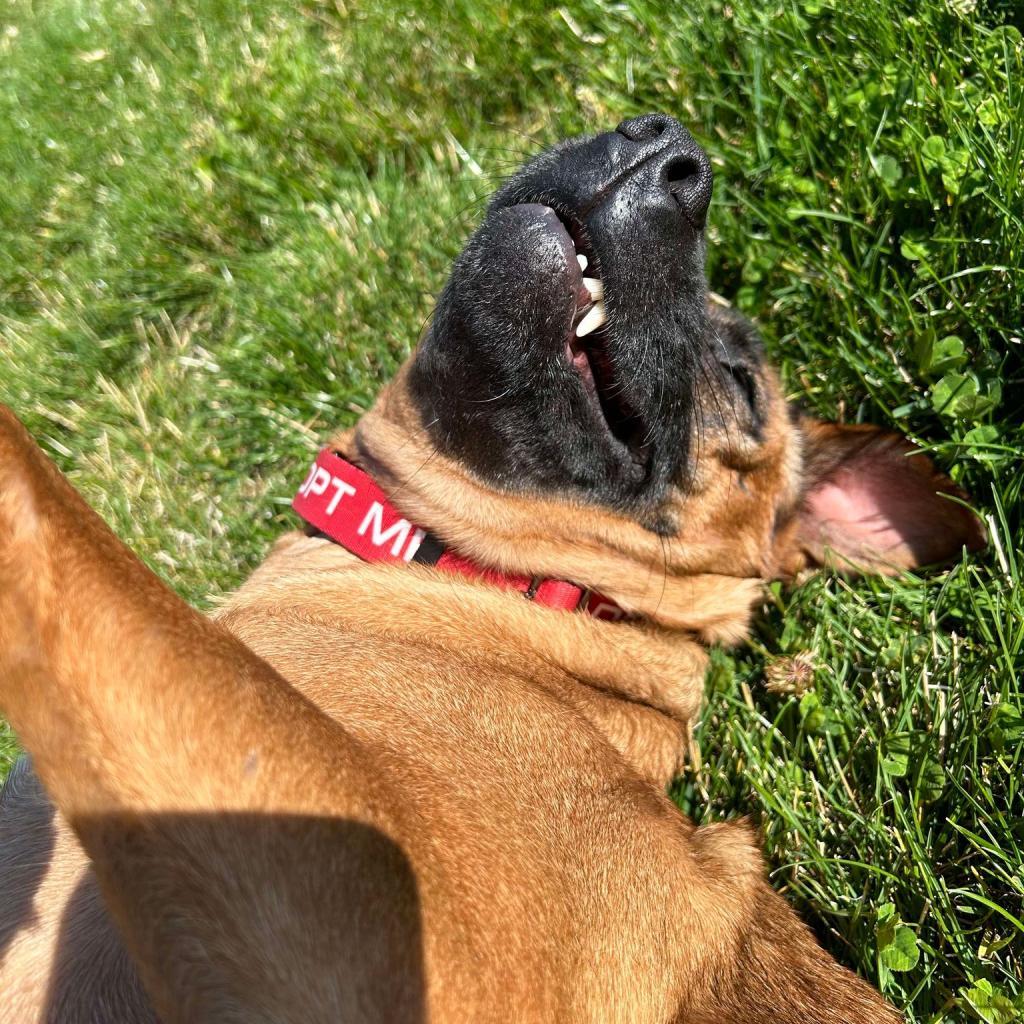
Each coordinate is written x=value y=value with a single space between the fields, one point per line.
x=874 y=502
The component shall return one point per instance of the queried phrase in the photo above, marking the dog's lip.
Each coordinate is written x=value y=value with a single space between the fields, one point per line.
x=588 y=358
x=570 y=241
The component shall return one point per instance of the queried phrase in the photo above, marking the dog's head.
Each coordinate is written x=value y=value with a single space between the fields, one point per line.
x=596 y=415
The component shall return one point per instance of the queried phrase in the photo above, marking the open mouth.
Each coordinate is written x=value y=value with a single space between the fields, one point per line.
x=588 y=346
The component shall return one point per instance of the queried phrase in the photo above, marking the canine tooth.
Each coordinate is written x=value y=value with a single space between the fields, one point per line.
x=581 y=260
x=594 y=318
x=594 y=286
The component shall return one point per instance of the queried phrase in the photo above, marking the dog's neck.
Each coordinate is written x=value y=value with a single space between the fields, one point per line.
x=525 y=533
x=640 y=683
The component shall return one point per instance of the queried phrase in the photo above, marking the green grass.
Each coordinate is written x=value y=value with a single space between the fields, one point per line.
x=222 y=225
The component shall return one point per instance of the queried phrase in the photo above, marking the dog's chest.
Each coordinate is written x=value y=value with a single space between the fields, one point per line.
x=531 y=840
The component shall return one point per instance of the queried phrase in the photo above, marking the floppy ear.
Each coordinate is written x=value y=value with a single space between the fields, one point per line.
x=874 y=502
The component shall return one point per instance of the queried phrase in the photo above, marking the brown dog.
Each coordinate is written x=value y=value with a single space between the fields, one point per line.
x=395 y=789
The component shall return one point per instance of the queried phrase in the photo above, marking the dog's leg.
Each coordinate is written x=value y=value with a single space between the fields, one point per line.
x=228 y=883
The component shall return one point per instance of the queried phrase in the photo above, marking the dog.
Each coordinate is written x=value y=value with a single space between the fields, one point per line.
x=415 y=768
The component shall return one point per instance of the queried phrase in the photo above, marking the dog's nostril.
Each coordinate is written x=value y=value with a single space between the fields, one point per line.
x=688 y=181
x=681 y=173
x=646 y=128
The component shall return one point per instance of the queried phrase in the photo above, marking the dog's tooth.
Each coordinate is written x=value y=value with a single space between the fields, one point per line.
x=594 y=318
x=581 y=260
x=594 y=286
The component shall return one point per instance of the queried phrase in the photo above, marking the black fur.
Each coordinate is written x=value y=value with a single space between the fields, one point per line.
x=492 y=378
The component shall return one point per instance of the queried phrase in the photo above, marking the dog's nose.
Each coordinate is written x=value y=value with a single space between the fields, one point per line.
x=680 y=167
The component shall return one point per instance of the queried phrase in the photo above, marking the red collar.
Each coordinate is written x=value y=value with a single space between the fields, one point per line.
x=346 y=506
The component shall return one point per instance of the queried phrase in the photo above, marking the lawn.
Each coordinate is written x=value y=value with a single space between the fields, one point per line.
x=222 y=225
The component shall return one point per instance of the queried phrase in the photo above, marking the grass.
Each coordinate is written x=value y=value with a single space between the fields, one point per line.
x=222 y=225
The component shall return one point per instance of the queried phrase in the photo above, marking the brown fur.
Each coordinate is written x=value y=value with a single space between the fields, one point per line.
x=378 y=793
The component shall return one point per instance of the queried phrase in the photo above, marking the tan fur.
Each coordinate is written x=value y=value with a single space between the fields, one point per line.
x=372 y=793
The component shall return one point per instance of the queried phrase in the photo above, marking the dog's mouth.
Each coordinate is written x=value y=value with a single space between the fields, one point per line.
x=588 y=346
x=562 y=351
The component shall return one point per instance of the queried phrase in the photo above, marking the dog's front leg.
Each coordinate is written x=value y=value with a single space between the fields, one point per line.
x=243 y=842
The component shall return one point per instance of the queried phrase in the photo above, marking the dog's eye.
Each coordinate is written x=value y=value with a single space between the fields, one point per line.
x=744 y=381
